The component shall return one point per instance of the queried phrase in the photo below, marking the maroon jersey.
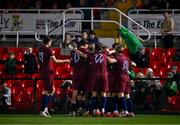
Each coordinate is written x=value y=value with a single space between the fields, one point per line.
x=46 y=65
x=98 y=61
x=79 y=63
x=122 y=76
x=122 y=66
x=80 y=68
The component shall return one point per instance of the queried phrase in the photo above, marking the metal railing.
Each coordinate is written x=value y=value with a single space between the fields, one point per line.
x=111 y=21
x=17 y=33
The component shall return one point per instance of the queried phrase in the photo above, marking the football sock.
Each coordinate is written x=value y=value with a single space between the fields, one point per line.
x=103 y=103
x=130 y=105
x=94 y=103
x=108 y=104
x=44 y=102
x=123 y=103
x=115 y=103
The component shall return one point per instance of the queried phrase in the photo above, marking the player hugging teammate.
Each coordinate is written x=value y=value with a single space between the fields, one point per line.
x=100 y=81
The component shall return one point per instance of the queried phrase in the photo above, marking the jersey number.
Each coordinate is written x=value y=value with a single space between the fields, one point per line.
x=76 y=57
x=99 y=58
x=125 y=65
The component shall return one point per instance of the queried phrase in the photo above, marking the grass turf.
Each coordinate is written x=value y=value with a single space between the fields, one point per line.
x=62 y=119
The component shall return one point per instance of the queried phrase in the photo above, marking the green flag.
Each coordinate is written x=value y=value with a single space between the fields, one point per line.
x=131 y=40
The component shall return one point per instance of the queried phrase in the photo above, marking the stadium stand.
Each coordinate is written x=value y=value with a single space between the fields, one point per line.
x=65 y=71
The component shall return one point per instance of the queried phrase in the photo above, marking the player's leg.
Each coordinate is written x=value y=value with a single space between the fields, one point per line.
x=80 y=103
x=49 y=91
x=108 y=104
x=44 y=105
x=103 y=102
x=129 y=105
x=73 y=106
x=129 y=100
x=94 y=103
x=103 y=88
x=115 y=105
x=122 y=101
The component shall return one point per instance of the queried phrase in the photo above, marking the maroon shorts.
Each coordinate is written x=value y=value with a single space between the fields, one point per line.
x=100 y=82
x=88 y=87
x=79 y=82
x=48 y=80
x=111 y=82
x=122 y=85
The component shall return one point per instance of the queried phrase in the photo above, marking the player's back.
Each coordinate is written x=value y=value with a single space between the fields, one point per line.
x=98 y=61
x=79 y=63
x=122 y=65
x=44 y=55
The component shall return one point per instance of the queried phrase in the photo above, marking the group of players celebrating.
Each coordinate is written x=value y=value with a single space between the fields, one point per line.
x=100 y=79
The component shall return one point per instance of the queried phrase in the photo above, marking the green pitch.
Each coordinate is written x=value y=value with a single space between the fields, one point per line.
x=62 y=119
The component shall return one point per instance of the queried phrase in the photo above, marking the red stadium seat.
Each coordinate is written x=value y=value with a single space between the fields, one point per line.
x=24 y=50
x=56 y=52
x=27 y=83
x=23 y=75
x=2 y=52
x=57 y=83
x=20 y=68
x=40 y=84
x=29 y=98
x=35 y=51
x=171 y=52
x=40 y=89
x=58 y=71
x=55 y=65
x=19 y=102
x=19 y=98
x=174 y=103
x=30 y=91
x=171 y=64
x=20 y=57
x=16 y=91
x=137 y=69
x=5 y=57
x=156 y=54
x=36 y=76
x=16 y=51
x=13 y=83
x=156 y=66
x=58 y=91
x=163 y=72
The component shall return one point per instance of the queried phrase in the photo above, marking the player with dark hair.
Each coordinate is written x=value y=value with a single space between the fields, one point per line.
x=46 y=58
x=80 y=76
x=122 y=81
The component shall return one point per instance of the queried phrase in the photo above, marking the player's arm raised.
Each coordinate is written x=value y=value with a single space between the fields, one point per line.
x=60 y=61
x=80 y=53
x=111 y=60
x=110 y=52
